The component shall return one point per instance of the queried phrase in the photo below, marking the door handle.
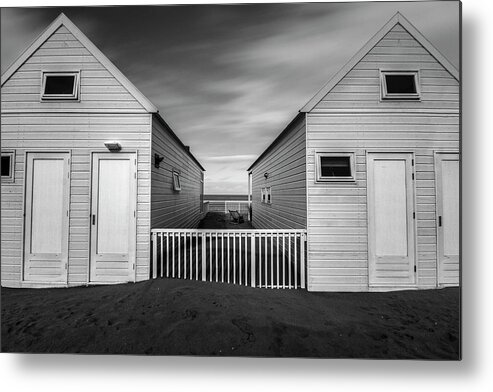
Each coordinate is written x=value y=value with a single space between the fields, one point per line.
x=93 y=219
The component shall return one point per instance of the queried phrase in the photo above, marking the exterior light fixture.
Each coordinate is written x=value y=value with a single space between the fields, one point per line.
x=113 y=145
x=266 y=175
x=157 y=160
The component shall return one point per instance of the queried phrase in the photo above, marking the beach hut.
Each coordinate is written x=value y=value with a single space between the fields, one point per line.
x=88 y=168
x=370 y=168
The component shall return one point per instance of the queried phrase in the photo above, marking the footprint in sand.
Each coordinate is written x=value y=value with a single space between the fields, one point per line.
x=246 y=328
x=190 y=314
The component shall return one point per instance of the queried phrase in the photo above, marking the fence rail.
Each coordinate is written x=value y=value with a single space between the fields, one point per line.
x=256 y=258
x=225 y=205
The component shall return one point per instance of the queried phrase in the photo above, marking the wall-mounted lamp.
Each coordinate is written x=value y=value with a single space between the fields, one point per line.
x=157 y=160
x=266 y=175
x=113 y=146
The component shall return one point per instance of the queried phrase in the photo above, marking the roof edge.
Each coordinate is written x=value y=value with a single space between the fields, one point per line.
x=62 y=19
x=175 y=136
x=398 y=18
x=284 y=132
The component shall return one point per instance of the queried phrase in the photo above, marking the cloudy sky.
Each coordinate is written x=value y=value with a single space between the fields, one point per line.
x=229 y=78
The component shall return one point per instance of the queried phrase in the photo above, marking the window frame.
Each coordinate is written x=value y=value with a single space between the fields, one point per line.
x=61 y=97
x=385 y=96
x=11 y=177
x=318 y=164
x=266 y=195
x=176 y=181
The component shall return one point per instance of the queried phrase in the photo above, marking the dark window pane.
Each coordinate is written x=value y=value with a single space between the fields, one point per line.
x=6 y=166
x=57 y=85
x=400 y=84
x=335 y=166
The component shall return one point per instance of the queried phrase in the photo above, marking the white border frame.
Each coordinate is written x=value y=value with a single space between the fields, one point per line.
x=318 y=166
x=412 y=183
x=385 y=96
x=60 y=97
x=176 y=181
x=438 y=156
x=11 y=178
x=132 y=154
x=25 y=226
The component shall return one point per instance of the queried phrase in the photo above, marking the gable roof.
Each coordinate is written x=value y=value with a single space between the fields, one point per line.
x=398 y=18
x=62 y=20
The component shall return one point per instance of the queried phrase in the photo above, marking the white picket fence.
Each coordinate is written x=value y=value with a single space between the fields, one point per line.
x=256 y=258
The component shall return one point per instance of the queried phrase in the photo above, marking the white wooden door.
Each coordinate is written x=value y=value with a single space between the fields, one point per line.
x=46 y=217
x=448 y=224
x=113 y=222
x=391 y=219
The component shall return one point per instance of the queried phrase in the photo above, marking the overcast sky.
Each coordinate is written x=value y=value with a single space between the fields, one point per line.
x=229 y=78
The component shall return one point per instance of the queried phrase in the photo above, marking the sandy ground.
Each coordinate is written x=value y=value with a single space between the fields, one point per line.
x=178 y=317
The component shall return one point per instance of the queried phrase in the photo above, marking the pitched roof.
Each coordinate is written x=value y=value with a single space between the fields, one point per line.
x=62 y=20
x=398 y=18
x=286 y=130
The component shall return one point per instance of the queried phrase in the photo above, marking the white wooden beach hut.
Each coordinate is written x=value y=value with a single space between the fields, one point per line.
x=370 y=167
x=88 y=168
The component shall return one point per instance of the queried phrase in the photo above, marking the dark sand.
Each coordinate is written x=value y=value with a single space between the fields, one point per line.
x=178 y=317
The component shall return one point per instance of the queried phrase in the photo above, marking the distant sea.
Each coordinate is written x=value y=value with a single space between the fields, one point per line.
x=226 y=197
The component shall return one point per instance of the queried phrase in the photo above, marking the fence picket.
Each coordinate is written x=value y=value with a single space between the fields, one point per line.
x=204 y=276
x=239 y=259
x=252 y=268
x=216 y=259
x=277 y=268
x=234 y=258
x=302 y=266
x=222 y=257
x=154 y=259
x=266 y=257
x=289 y=261
x=295 y=259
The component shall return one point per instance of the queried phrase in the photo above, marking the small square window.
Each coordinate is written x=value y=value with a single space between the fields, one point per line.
x=176 y=181
x=7 y=166
x=265 y=195
x=60 y=85
x=335 y=166
x=399 y=85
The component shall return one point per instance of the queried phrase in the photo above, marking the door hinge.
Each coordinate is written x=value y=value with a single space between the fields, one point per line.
x=133 y=267
x=66 y=266
x=413 y=176
x=134 y=213
x=412 y=162
x=414 y=215
x=440 y=221
x=414 y=268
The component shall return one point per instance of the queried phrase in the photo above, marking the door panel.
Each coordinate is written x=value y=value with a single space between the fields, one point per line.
x=46 y=224
x=448 y=224
x=113 y=222
x=390 y=216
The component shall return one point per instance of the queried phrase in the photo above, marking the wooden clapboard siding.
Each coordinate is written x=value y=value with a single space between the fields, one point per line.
x=286 y=166
x=62 y=51
x=106 y=111
x=352 y=117
x=173 y=209
x=81 y=134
